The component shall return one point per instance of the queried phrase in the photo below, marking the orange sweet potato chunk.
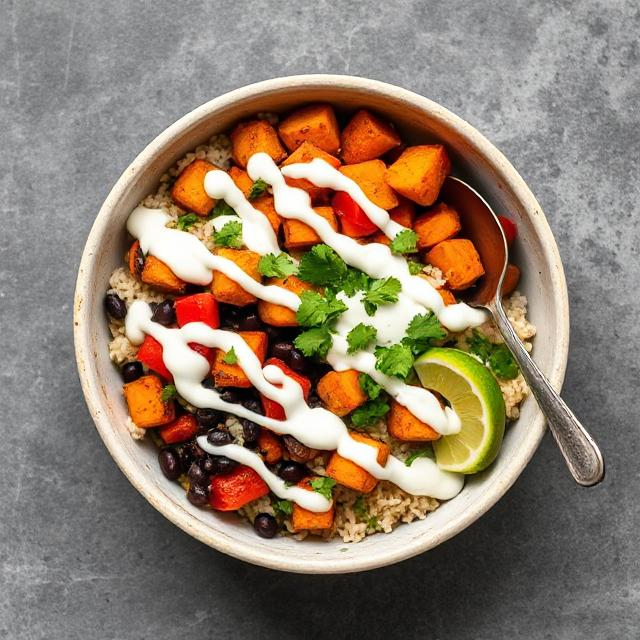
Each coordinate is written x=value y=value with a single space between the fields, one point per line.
x=232 y=375
x=438 y=224
x=252 y=137
x=226 y=290
x=459 y=262
x=146 y=407
x=265 y=205
x=306 y=152
x=315 y=123
x=188 y=190
x=158 y=275
x=298 y=235
x=340 y=391
x=370 y=177
x=511 y=279
x=403 y=425
x=276 y=315
x=241 y=179
x=419 y=172
x=302 y=519
x=349 y=474
x=447 y=296
x=270 y=446
x=403 y=214
x=367 y=137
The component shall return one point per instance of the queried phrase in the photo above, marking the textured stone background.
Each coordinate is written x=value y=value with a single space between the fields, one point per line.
x=84 y=86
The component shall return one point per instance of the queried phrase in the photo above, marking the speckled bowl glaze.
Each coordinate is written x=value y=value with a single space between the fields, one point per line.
x=476 y=160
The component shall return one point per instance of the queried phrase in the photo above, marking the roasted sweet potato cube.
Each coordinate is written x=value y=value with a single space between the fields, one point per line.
x=302 y=519
x=419 y=172
x=146 y=407
x=270 y=446
x=314 y=123
x=232 y=375
x=367 y=137
x=226 y=290
x=459 y=262
x=403 y=214
x=403 y=425
x=511 y=279
x=306 y=152
x=298 y=235
x=447 y=296
x=276 y=315
x=340 y=391
x=265 y=205
x=370 y=177
x=252 y=137
x=242 y=180
x=438 y=224
x=188 y=190
x=158 y=275
x=349 y=474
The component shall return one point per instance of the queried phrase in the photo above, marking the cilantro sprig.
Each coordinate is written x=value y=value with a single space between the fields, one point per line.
x=316 y=310
x=222 y=209
x=360 y=337
x=384 y=291
x=405 y=242
x=258 y=188
x=370 y=412
x=276 y=266
x=169 y=392
x=496 y=356
x=415 y=267
x=396 y=360
x=323 y=486
x=186 y=221
x=423 y=330
x=322 y=266
x=230 y=357
x=282 y=508
x=427 y=452
x=230 y=235
x=369 y=386
x=314 y=342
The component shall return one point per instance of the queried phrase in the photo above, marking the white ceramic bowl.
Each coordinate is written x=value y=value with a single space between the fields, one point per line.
x=475 y=159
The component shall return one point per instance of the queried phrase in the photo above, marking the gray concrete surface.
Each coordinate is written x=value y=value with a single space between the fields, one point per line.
x=84 y=85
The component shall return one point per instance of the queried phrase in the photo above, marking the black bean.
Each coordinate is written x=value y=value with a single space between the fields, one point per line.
x=208 y=418
x=169 y=463
x=292 y=471
x=115 y=306
x=282 y=351
x=250 y=430
x=251 y=322
x=185 y=454
x=224 y=465
x=208 y=383
x=131 y=371
x=197 y=451
x=196 y=475
x=165 y=314
x=219 y=438
x=208 y=465
x=253 y=404
x=313 y=400
x=197 y=495
x=229 y=395
x=296 y=449
x=265 y=525
x=297 y=361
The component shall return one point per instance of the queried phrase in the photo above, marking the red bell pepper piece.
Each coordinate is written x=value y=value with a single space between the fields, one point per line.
x=354 y=221
x=509 y=228
x=208 y=352
x=200 y=307
x=233 y=490
x=180 y=430
x=150 y=353
x=273 y=409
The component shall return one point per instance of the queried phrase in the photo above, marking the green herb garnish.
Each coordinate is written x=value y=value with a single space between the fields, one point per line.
x=405 y=242
x=370 y=412
x=230 y=235
x=396 y=360
x=427 y=452
x=169 y=392
x=222 y=209
x=276 y=266
x=257 y=189
x=323 y=486
x=369 y=386
x=315 y=310
x=372 y=522
x=383 y=291
x=230 y=357
x=282 y=508
x=359 y=508
x=360 y=337
x=415 y=267
x=186 y=221
x=496 y=356
x=322 y=266
x=422 y=331
x=314 y=342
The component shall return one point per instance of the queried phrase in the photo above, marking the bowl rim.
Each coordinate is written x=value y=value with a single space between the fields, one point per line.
x=91 y=384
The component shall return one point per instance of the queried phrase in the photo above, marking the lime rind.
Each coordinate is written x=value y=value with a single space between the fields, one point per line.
x=475 y=396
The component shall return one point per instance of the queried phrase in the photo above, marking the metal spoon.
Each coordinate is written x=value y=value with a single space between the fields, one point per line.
x=481 y=225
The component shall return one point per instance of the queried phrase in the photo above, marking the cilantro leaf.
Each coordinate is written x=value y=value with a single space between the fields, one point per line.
x=230 y=357
x=355 y=280
x=479 y=345
x=405 y=242
x=383 y=291
x=314 y=342
x=323 y=486
x=230 y=235
x=370 y=412
x=422 y=331
x=322 y=266
x=372 y=522
x=396 y=360
x=360 y=337
x=222 y=209
x=257 y=189
x=276 y=266
x=359 y=508
x=282 y=507
x=169 y=392
x=502 y=363
x=427 y=452
x=314 y=310
x=369 y=385
x=415 y=267
x=186 y=221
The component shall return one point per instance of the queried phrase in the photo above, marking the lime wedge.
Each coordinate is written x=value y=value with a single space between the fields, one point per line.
x=475 y=396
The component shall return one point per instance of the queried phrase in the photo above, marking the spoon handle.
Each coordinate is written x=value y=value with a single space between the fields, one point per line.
x=578 y=448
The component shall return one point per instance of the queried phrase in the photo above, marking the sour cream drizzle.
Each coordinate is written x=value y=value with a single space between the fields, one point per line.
x=315 y=427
